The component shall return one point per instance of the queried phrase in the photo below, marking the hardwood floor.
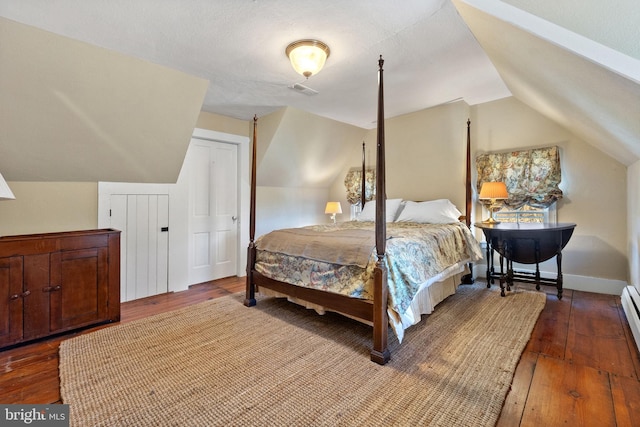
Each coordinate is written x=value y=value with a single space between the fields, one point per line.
x=580 y=368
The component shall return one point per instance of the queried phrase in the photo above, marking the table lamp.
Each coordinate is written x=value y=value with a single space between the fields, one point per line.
x=493 y=191
x=333 y=208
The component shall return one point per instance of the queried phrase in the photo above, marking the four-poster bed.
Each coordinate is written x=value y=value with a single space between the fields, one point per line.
x=378 y=308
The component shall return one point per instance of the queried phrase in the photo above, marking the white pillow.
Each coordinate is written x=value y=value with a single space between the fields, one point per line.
x=369 y=211
x=440 y=211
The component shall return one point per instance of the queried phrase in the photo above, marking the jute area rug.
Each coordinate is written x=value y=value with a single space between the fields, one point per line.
x=219 y=363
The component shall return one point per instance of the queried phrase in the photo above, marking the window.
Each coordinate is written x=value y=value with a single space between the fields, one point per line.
x=532 y=178
x=527 y=213
x=353 y=184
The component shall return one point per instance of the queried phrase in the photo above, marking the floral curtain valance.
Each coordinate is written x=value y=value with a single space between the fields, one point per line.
x=531 y=176
x=353 y=184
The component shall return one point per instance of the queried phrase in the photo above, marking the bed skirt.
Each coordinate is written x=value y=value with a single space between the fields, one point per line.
x=431 y=293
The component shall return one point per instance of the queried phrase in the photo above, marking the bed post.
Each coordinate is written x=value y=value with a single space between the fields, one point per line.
x=250 y=298
x=380 y=351
x=467 y=279
x=363 y=185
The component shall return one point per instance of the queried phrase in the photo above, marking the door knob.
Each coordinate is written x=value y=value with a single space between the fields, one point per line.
x=233 y=218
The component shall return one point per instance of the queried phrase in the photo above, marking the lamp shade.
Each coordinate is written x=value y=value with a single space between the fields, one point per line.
x=493 y=190
x=333 y=208
x=5 y=191
x=307 y=56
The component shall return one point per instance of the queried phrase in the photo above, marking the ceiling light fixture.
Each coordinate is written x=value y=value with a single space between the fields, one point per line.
x=307 y=56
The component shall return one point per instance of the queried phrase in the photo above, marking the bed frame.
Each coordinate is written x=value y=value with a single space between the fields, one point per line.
x=376 y=312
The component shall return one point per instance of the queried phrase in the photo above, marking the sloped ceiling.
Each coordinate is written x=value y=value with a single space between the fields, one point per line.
x=95 y=106
x=589 y=88
x=431 y=57
x=612 y=23
x=305 y=150
x=70 y=111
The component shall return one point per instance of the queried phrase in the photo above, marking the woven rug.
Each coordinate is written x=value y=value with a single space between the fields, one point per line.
x=219 y=363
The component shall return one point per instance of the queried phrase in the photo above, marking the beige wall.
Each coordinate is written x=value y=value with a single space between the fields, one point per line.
x=426 y=158
x=633 y=209
x=75 y=112
x=42 y=207
x=425 y=155
x=288 y=207
x=224 y=124
x=594 y=185
x=299 y=154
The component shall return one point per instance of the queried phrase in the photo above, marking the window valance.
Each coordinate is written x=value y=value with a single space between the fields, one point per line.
x=353 y=184
x=531 y=176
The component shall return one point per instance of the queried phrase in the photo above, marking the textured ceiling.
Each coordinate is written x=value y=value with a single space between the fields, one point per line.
x=577 y=65
x=431 y=57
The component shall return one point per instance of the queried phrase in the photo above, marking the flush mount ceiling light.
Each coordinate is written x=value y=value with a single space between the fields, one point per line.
x=307 y=56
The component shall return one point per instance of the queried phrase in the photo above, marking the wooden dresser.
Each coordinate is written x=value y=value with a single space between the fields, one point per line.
x=56 y=282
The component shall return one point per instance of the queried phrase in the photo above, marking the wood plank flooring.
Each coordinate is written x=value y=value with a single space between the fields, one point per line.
x=580 y=368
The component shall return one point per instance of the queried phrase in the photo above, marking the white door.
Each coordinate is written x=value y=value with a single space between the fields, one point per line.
x=213 y=210
x=143 y=220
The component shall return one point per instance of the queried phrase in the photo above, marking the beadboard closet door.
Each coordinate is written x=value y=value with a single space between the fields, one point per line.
x=143 y=220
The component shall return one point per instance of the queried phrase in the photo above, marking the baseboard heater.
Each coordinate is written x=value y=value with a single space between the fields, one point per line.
x=631 y=305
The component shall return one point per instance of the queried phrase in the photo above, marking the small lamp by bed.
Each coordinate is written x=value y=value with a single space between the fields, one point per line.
x=333 y=208
x=493 y=191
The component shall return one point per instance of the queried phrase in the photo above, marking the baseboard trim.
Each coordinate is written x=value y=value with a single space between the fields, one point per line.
x=575 y=282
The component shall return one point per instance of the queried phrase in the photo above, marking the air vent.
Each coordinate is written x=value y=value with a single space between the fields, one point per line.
x=303 y=89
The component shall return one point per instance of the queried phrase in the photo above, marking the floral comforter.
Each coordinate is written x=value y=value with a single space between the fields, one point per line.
x=414 y=254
